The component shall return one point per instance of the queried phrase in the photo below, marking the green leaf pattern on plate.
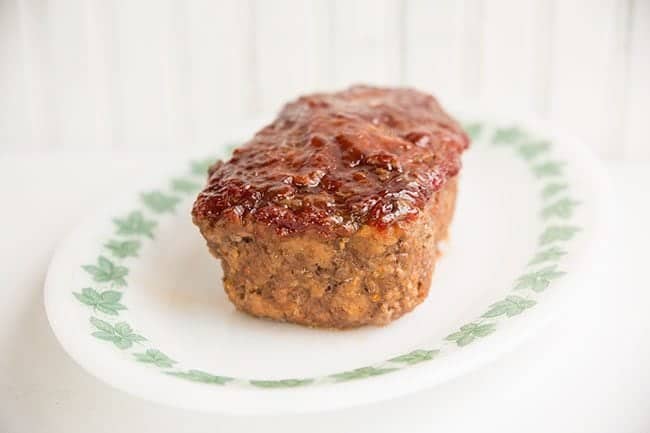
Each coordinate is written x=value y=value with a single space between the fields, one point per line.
x=200 y=168
x=108 y=302
x=552 y=189
x=160 y=202
x=122 y=249
x=283 y=383
x=201 y=376
x=549 y=255
x=155 y=357
x=185 y=185
x=470 y=332
x=562 y=208
x=361 y=373
x=532 y=149
x=473 y=129
x=106 y=271
x=538 y=280
x=120 y=334
x=557 y=233
x=510 y=306
x=508 y=135
x=135 y=224
x=415 y=357
x=548 y=169
x=557 y=207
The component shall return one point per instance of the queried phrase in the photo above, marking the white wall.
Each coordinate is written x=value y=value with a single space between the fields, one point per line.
x=137 y=74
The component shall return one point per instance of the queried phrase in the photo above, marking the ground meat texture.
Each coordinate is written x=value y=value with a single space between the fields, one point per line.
x=331 y=215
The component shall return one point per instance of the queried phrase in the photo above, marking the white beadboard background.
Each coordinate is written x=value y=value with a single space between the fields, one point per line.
x=162 y=74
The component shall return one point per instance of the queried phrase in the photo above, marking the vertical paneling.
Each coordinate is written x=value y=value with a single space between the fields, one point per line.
x=181 y=126
x=516 y=53
x=142 y=29
x=71 y=94
x=102 y=56
x=220 y=67
x=367 y=41
x=588 y=68
x=443 y=47
x=472 y=49
x=13 y=110
x=152 y=74
x=433 y=57
x=291 y=48
x=40 y=117
x=637 y=109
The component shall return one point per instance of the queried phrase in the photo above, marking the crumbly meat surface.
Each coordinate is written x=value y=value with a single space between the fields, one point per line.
x=370 y=278
x=331 y=215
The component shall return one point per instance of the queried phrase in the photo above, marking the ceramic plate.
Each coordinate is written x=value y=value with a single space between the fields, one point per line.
x=135 y=298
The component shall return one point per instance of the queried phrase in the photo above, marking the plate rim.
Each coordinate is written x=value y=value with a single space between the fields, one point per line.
x=405 y=380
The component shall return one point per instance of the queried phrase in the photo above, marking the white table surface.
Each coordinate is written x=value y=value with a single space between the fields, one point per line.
x=589 y=371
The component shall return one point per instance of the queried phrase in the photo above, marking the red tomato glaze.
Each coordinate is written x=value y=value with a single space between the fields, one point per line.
x=333 y=162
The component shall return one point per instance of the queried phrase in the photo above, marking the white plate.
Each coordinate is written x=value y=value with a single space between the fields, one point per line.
x=135 y=298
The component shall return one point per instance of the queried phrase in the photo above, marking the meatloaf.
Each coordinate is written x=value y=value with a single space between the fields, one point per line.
x=331 y=215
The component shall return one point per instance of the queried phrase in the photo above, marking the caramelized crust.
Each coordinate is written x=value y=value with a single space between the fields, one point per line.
x=336 y=162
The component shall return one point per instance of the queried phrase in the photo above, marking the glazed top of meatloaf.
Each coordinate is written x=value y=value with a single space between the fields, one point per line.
x=333 y=162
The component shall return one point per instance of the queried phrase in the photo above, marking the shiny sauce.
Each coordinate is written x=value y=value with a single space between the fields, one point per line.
x=335 y=162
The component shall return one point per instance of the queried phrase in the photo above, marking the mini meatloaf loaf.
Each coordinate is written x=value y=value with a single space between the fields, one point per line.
x=331 y=215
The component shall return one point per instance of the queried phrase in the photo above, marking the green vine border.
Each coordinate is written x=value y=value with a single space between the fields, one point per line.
x=109 y=274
